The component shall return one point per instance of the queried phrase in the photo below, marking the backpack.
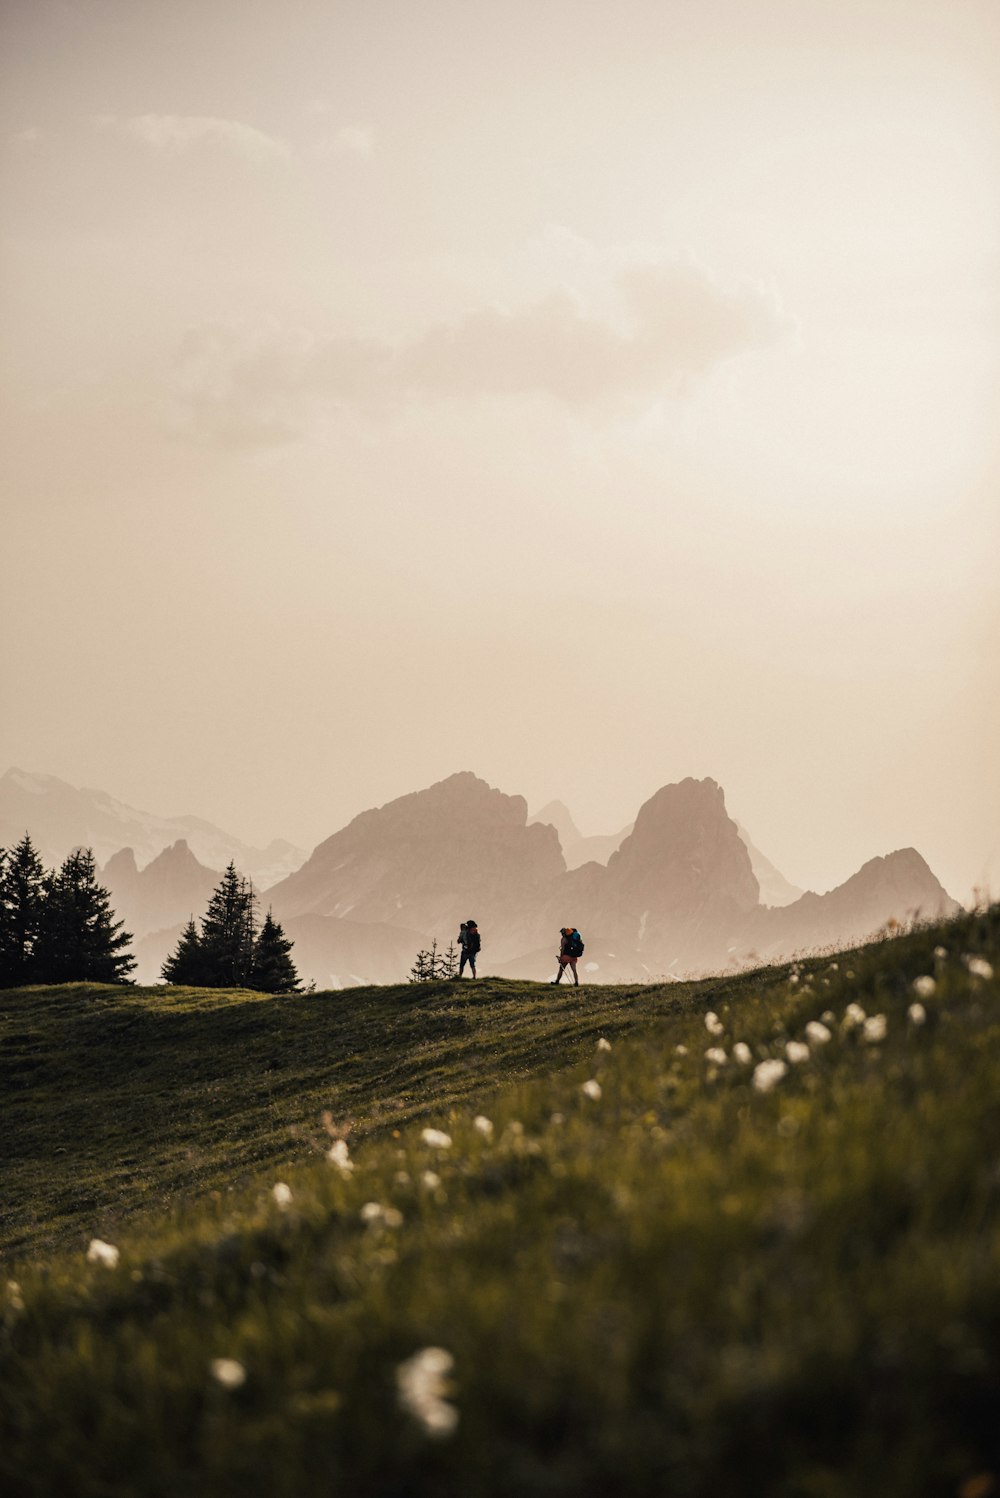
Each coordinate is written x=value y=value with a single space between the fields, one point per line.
x=575 y=945
x=472 y=940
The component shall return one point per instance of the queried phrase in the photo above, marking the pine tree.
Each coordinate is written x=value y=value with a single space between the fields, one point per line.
x=186 y=964
x=22 y=895
x=273 y=970
x=420 y=971
x=228 y=932
x=449 y=962
x=430 y=966
x=79 y=940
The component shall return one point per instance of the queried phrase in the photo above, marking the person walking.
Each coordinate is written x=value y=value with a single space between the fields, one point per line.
x=570 y=949
x=469 y=941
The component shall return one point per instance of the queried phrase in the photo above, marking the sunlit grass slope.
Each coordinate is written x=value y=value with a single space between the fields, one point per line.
x=649 y=1277
x=118 y=1098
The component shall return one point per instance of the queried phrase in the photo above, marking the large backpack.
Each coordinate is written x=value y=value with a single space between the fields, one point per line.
x=575 y=944
x=472 y=940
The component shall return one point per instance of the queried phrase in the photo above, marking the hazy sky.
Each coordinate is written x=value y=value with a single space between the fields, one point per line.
x=585 y=394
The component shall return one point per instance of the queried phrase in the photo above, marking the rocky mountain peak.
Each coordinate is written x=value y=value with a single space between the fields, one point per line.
x=685 y=832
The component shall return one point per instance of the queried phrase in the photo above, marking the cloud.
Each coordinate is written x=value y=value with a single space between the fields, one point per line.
x=183 y=132
x=673 y=324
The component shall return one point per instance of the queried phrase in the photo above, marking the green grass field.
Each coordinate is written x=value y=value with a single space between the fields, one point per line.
x=649 y=1276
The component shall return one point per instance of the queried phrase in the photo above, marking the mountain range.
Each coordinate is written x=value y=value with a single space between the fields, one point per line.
x=61 y=817
x=681 y=890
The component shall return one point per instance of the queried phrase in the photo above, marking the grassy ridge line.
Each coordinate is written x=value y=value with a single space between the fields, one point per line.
x=680 y=1285
x=116 y=1098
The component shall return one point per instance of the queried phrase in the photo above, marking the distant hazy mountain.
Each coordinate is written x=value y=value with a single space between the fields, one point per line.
x=680 y=895
x=898 y=887
x=426 y=861
x=61 y=817
x=774 y=887
x=684 y=891
x=166 y=892
x=676 y=890
x=578 y=849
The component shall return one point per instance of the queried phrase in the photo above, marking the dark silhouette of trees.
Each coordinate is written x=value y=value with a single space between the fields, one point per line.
x=22 y=893
x=431 y=966
x=273 y=970
x=79 y=939
x=186 y=966
x=228 y=932
x=229 y=952
x=58 y=927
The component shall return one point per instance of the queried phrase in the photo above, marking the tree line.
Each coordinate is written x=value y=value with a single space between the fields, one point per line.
x=230 y=951
x=57 y=925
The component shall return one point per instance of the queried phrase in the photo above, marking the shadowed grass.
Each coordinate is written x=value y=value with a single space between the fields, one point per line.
x=679 y=1285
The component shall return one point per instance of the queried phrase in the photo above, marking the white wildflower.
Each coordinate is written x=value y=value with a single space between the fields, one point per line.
x=793 y=978
x=436 y=1138
x=767 y=1074
x=716 y=1055
x=483 y=1125
x=834 y=967
x=979 y=967
x=940 y=953
x=924 y=986
x=796 y=1052
x=229 y=1372
x=917 y=1014
x=373 y=1214
x=338 y=1155
x=828 y=1016
x=16 y=1297
x=680 y=1050
x=100 y=1252
x=742 y=1053
x=591 y=1089
x=817 y=1032
x=854 y=1015
x=713 y=1023
x=430 y=1180
x=281 y=1193
x=603 y=1045
x=422 y=1383
x=875 y=1028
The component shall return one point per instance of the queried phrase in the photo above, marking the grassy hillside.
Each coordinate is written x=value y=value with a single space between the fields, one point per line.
x=118 y=1098
x=648 y=1276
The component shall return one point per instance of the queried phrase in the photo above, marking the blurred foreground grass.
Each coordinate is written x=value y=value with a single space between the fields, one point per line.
x=602 y=1271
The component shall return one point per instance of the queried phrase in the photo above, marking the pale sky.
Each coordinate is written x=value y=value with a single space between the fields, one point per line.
x=584 y=394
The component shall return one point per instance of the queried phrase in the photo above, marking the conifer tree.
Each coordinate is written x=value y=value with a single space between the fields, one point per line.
x=228 y=932
x=186 y=964
x=22 y=895
x=431 y=965
x=273 y=970
x=79 y=940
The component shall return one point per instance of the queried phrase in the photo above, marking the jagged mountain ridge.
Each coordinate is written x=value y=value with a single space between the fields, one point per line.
x=576 y=848
x=680 y=894
x=775 y=889
x=430 y=859
x=165 y=893
x=61 y=817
